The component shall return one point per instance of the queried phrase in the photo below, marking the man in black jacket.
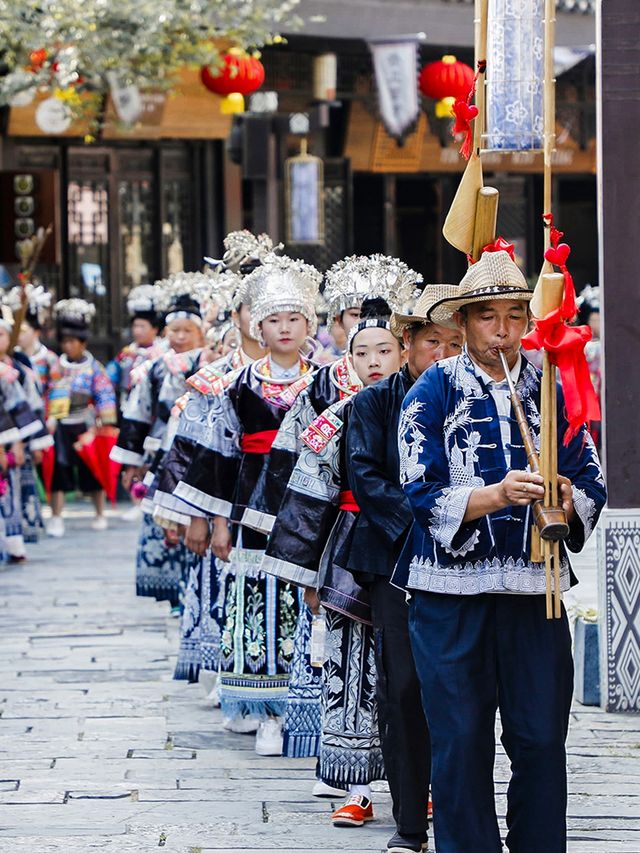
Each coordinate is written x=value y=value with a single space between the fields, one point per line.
x=383 y=523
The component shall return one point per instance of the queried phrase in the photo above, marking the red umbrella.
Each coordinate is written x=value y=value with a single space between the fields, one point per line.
x=48 y=463
x=93 y=448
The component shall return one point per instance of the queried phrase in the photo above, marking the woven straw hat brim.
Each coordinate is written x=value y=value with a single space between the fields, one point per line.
x=442 y=312
x=430 y=296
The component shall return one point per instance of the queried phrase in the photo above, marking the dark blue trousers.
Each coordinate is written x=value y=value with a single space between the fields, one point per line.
x=475 y=654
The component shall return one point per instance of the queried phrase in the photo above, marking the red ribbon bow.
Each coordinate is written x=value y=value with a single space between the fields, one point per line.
x=565 y=344
x=465 y=112
x=501 y=245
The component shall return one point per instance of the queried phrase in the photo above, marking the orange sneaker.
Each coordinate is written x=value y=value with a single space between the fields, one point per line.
x=430 y=809
x=355 y=812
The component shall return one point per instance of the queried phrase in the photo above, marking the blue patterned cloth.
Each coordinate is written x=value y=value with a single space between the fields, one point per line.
x=162 y=570
x=450 y=443
x=32 y=522
x=11 y=509
x=515 y=74
x=200 y=631
x=210 y=615
x=303 y=719
x=350 y=751
x=188 y=662
x=257 y=645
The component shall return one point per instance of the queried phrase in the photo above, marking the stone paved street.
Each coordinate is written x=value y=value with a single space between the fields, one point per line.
x=102 y=751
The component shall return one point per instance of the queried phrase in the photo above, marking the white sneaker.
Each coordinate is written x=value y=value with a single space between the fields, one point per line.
x=269 y=737
x=321 y=789
x=207 y=679
x=212 y=699
x=242 y=725
x=99 y=523
x=55 y=527
x=134 y=513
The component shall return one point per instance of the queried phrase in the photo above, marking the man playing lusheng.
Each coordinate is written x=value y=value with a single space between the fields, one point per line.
x=478 y=628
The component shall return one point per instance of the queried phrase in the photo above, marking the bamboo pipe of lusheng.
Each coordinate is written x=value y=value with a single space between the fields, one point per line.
x=549 y=518
x=551 y=293
x=484 y=230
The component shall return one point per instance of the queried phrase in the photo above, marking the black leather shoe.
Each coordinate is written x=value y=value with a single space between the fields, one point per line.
x=407 y=843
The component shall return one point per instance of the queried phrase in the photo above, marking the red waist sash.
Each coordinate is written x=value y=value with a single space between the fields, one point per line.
x=258 y=442
x=347 y=502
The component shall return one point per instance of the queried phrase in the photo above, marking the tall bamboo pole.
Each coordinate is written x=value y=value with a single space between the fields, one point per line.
x=552 y=288
x=549 y=106
x=480 y=27
x=549 y=414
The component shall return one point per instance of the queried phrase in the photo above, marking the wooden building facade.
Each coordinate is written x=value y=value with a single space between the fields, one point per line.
x=134 y=205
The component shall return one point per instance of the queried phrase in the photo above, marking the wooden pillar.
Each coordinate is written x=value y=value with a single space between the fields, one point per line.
x=390 y=216
x=618 y=213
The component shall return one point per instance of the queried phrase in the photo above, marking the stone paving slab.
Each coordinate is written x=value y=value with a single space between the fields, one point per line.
x=100 y=750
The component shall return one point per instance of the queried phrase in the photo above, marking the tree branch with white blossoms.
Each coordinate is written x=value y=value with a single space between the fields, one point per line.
x=75 y=50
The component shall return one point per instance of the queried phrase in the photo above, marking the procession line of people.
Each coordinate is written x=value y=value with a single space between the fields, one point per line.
x=349 y=544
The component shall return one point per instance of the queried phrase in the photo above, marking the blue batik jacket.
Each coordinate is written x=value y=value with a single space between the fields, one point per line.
x=450 y=444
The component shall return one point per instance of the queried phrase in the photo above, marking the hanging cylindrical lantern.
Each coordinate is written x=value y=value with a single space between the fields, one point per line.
x=325 y=77
x=239 y=75
x=446 y=78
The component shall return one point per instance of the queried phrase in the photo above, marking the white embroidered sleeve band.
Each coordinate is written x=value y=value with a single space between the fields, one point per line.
x=585 y=508
x=447 y=519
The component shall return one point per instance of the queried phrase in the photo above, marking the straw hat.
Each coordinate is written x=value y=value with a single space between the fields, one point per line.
x=430 y=296
x=494 y=276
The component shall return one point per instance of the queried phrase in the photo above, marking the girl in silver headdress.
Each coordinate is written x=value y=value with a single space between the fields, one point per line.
x=348 y=283
x=145 y=344
x=259 y=613
x=309 y=546
x=162 y=563
x=43 y=360
x=37 y=374
x=199 y=651
x=19 y=503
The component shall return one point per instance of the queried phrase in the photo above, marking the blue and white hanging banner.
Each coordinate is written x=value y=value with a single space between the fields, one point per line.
x=396 y=69
x=515 y=75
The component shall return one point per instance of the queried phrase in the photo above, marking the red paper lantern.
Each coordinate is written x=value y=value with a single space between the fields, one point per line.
x=239 y=73
x=446 y=78
x=37 y=58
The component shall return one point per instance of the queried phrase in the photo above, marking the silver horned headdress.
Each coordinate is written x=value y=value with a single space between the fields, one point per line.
x=75 y=310
x=143 y=298
x=282 y=284
x=240 y=247
x=356 y=278
x=37 y=300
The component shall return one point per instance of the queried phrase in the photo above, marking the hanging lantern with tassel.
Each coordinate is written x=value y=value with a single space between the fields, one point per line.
x=446 y=81
x=240 y=74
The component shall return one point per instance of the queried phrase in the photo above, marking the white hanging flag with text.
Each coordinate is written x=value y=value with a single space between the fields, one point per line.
x=396 y=69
